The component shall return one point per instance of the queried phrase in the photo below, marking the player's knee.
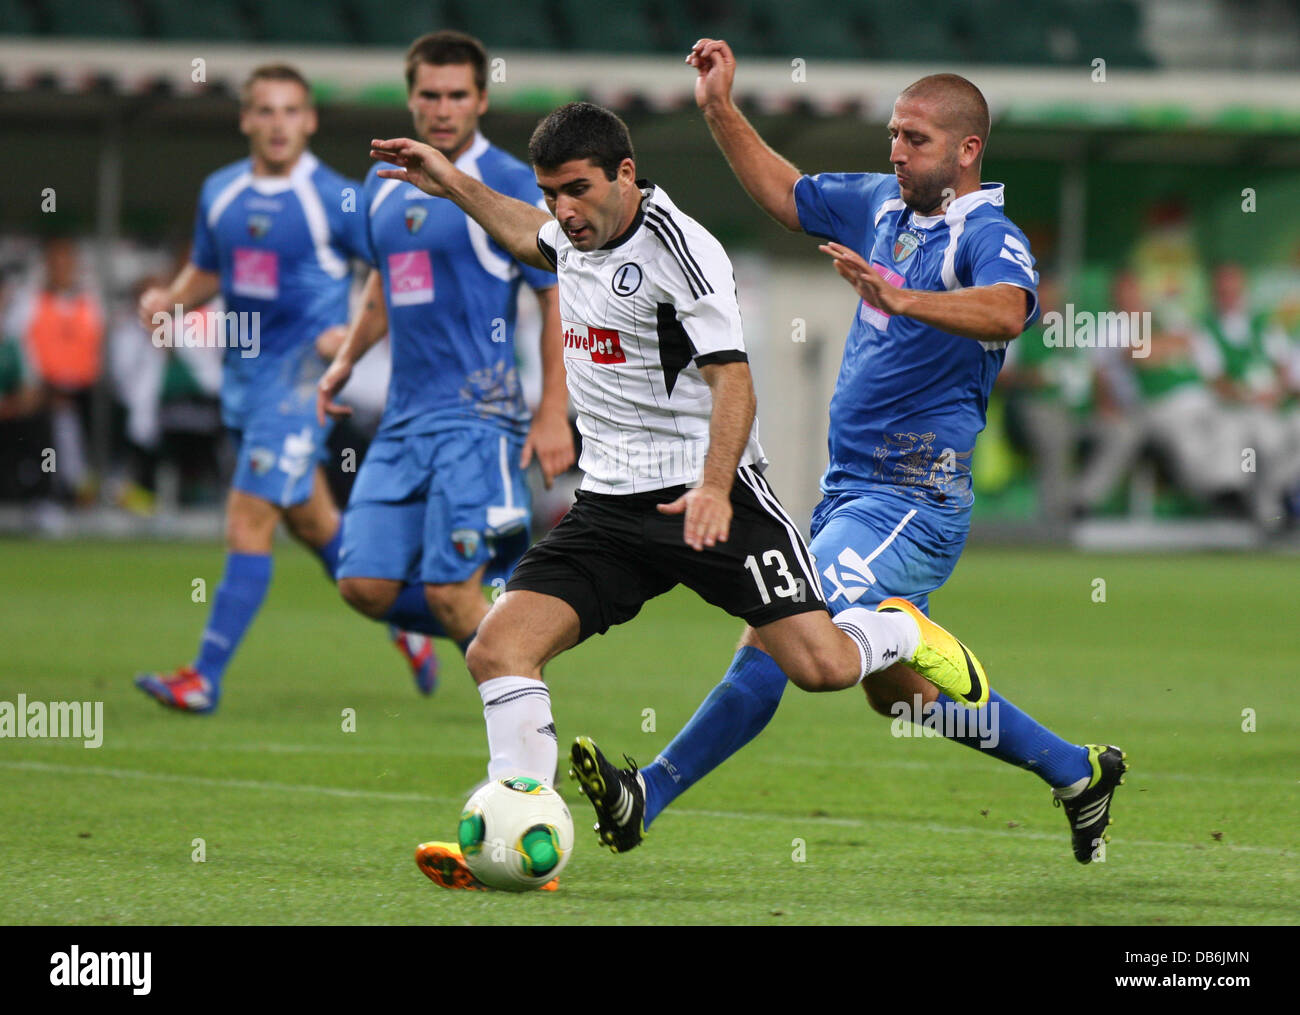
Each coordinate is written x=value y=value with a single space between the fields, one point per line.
x=450 y=598
x=250 y=531
x=486 y=658
x=879 y=699
x=898 y=683
x=315 y=528
x=374 y=599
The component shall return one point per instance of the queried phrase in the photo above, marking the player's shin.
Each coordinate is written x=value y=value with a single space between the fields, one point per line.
x=329 y=553
x=520 y=730
x=1013 y=736
x=733 y=714
x=239 y=597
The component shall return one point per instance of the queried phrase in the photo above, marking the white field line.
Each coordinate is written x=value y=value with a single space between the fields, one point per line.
x=1140 y=776
x=686 y=812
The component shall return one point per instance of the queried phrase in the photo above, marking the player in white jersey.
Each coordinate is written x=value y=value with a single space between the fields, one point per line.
x=673 y=492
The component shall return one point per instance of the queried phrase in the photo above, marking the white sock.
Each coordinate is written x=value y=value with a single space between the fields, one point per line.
x=882 y=638
x=520 y=730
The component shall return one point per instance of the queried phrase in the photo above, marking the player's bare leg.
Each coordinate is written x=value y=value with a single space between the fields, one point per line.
x=459 y=606
x=372 y=597
x=250 y=523
x=521 y=633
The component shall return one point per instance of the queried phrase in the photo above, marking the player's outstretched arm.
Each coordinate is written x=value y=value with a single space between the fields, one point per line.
x=767 y=177
x=192 y=287
x=512 y=223
x=367 y=328
x=986 y=313
x=708 y=506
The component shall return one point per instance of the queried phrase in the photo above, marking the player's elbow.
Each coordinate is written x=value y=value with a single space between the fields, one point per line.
x=1006 y=327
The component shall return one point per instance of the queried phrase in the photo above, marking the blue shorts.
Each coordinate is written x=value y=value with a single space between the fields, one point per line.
x=276 y=456
x=870 y=546
x=434 y=508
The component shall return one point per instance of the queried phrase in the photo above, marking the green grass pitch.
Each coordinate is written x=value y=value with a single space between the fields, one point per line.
x=826 y=818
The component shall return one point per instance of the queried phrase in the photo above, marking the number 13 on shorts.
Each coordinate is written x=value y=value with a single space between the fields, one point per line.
x=789 y=586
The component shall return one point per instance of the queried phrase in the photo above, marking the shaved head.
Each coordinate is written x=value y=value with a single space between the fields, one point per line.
x=959 y=106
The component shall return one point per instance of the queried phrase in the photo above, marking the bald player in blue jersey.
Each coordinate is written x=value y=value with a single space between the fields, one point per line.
x=441 y=506
x=273 y=236
x=946 y=280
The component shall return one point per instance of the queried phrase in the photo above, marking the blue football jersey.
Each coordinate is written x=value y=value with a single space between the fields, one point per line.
x=910 y=399
x=451 y=295
x=281 y=245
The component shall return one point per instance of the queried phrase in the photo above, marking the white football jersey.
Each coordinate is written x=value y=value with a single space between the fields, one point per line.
x=640 y=316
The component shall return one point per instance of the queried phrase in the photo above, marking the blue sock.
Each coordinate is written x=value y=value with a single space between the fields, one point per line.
x=1020 y=740
x=411 y=612
x=238 y=598
x=329 y=553
x=733 y=714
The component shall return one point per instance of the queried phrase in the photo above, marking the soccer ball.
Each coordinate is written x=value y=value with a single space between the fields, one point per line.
x=515 y=834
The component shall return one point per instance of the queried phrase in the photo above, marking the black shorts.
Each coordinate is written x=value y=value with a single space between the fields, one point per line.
x=612 y=553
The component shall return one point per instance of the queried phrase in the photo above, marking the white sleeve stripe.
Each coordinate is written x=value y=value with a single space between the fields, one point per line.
x=382 y=193
x=671 y=223
x=228 y=193
x=1015 y=244
x=318 y=226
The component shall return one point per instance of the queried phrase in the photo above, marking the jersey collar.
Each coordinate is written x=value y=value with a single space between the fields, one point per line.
x=302 y=170
x=471 y=154
x=989 y=193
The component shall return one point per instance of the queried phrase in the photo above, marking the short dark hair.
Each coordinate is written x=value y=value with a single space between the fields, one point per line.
x=962 y=108
x=444 y=48
x=581 y=130
x=272 y=72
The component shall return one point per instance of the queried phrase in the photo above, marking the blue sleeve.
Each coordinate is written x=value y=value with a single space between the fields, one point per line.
x=998 y=252
x=523 y=186
x=344 y=200
x=204 y=252
x=839 y=206
x=354 y=235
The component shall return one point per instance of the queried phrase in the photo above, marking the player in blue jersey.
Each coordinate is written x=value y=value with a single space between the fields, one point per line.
x=946 y=280
x=273 y=237
x=440 y=504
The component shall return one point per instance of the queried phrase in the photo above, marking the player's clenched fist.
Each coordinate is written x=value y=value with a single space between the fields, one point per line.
x=155 y=300
x=708 y=516
x=717 y=66
x=330 y=385
x=420 y=164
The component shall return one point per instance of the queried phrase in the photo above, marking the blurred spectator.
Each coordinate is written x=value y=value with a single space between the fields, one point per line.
x=1044 y=408
x=1114 y=428
x=60 y=326
x=169 y=394
x=1182 y=418
x=1245 y=358
x=24 y=424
